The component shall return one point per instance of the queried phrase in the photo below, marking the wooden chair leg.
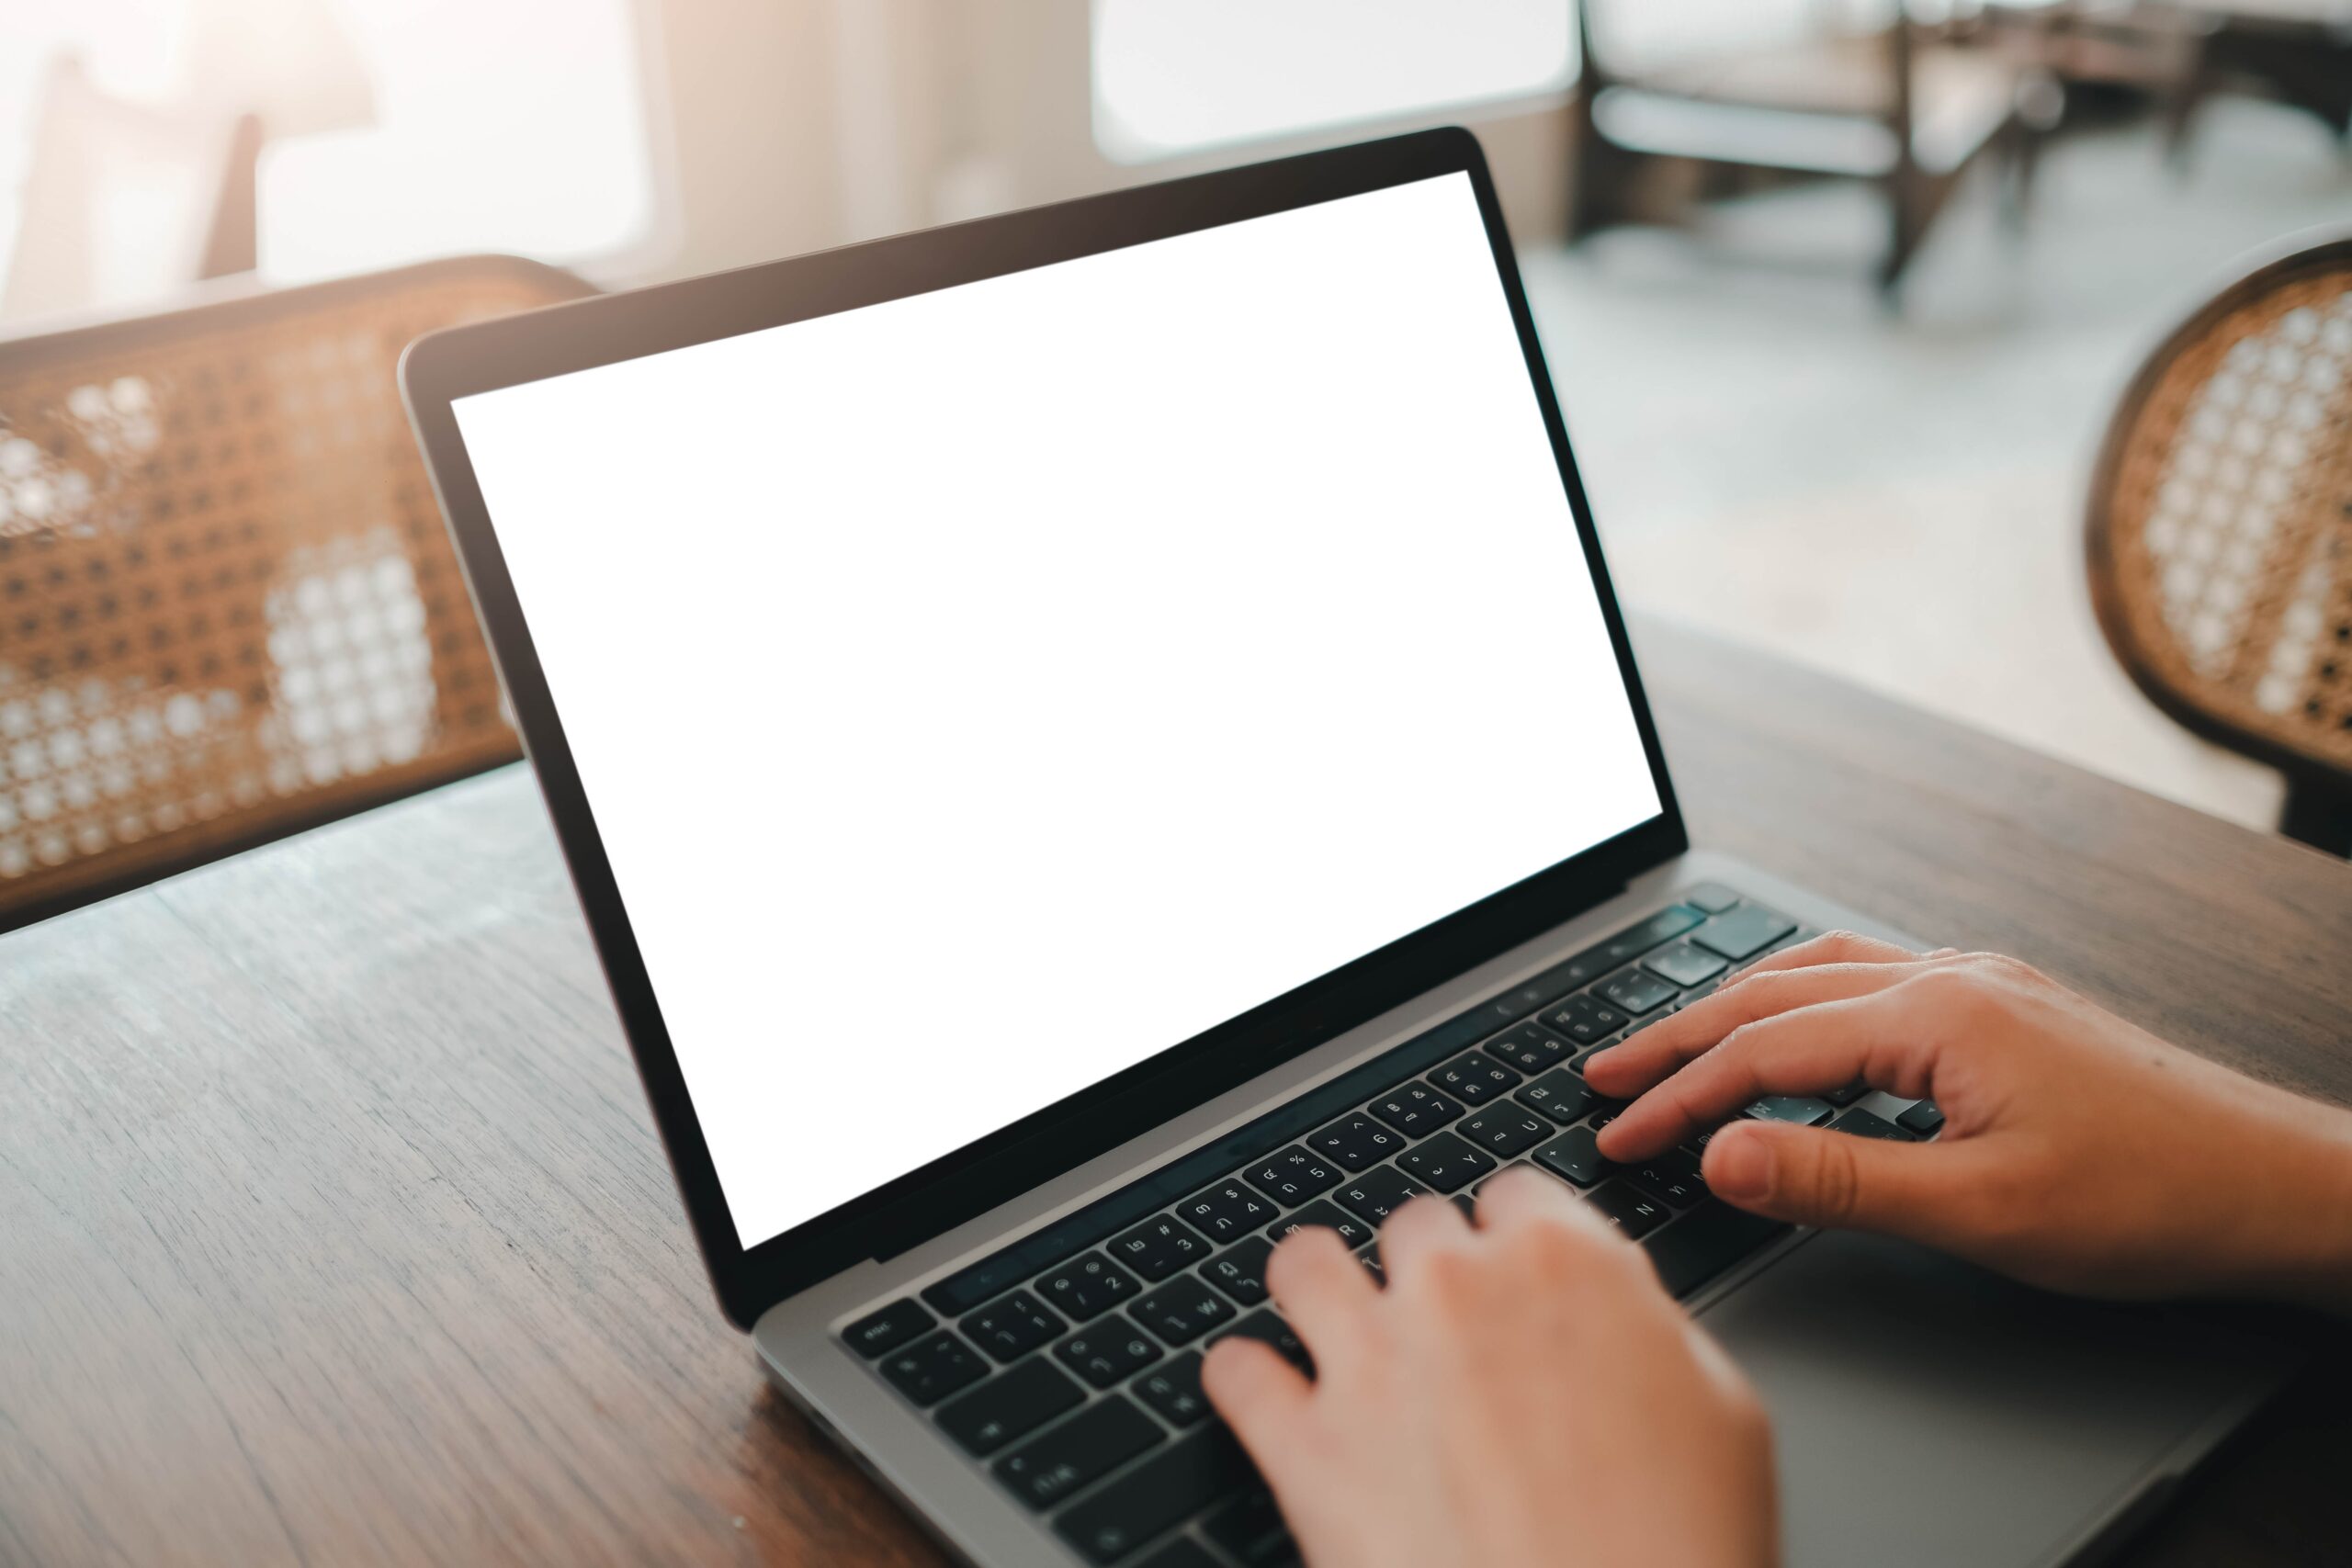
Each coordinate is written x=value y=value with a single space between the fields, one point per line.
x=2319 y=814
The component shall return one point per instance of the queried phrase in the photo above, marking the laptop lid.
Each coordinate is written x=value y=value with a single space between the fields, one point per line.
x=999 y=687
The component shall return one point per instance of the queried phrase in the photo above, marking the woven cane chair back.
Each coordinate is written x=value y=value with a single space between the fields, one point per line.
x=228 y=606
x=2221 y=518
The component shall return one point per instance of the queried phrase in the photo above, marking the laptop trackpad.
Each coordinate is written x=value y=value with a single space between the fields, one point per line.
x=1927 y=1412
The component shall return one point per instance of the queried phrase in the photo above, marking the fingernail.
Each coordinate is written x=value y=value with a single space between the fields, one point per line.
x=1743 y=1165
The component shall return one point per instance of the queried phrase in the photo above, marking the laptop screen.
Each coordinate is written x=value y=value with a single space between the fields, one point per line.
x=983 y=690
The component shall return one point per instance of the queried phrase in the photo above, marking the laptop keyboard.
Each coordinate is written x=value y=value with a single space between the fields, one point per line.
x=1069 y=1362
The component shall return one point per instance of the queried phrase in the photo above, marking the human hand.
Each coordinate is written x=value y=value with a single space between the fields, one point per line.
x=1520 y=1393
x=2078 y=1152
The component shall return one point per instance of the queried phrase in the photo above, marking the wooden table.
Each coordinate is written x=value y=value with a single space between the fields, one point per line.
x=332 y=1228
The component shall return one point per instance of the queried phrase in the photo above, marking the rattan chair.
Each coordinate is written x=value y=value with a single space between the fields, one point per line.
x=2220 y=530
x=228 y=607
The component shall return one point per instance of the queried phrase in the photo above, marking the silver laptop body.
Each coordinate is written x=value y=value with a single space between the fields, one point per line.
x=988 y=510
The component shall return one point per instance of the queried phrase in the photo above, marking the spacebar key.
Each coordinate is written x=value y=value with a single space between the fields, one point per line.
x=1158 y=1494
x=1705 y=1242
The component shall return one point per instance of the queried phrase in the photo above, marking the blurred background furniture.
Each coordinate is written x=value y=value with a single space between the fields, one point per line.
x=2220 y=531
x=1885 y=98
x=2295 y=51
x=228 y=606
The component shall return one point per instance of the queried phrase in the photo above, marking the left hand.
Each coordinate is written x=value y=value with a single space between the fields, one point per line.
x=1520 y=1393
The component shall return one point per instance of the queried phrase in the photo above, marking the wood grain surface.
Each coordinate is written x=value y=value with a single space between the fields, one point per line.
x=333 y=1227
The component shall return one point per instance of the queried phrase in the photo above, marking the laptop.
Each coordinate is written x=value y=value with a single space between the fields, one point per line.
x=1092 y=739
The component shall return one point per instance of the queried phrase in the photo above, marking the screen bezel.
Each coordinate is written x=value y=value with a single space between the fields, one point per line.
x=444 y=366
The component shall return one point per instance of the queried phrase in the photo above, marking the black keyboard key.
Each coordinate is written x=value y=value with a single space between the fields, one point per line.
x=1744 y=932
x=1445 y=1162
x=1010 y=1407
x=1352 y=1231
x=1605 y=1110
x=1530 y=1048
x=1092 y=1443
x=1356 y=1141
x=1158 y=1496
x=1182 y=1311
x=1637 y=992
x=1672 y=1176
x=1241 y=1271
x=1634 y=1213
x=1013 y=1327
x=1174 y=1390
x=1559 y=1094
x=1105 y=1352
x=1377 y=1194
x=1087 y=1286
x=1636 y=940
x=1587 y=1019
x=1847 y=1096
x=887 y=1329
x=1685 y=965
x=1705 y=1242
x=1370 y=1258
x=1182 y=1551
x=1802 y=1109
x=1540 y=992
x=1264 y=1325
x=1711 y=897
x=1416 y=1109
x=1160 y=1246
x=1251 y=1532
x=1864 y=1125
x=1575 y=1155
x=1227 y=1212
x=1923 y=1119
x=1474 y=1079
x=1292 y=1176
x=930 y=1370
x=1505 y=1130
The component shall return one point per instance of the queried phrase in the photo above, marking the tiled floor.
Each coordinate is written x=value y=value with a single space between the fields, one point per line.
x=1900 y=497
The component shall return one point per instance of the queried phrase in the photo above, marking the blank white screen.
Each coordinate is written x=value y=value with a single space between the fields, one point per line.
x=981 y=691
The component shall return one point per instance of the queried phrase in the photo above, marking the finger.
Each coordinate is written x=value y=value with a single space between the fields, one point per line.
x=1323 y=1291
x=1598 y=1269
x=1424 y=1224
x=1812 y=1176
x=1887 y=1038
x=1521 y=1193
x=1644 y=1059
x=1260 y=1394
x=1832 y=947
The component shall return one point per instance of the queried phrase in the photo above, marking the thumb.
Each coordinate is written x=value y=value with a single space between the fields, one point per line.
x=1811 y=1176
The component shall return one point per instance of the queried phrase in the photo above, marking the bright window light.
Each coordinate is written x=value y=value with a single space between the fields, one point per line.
x=1173 y=76
x=499 y=125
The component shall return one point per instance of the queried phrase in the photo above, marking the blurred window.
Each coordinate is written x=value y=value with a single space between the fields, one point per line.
x=400 y=129
x=1174 y=76
x=478 y=102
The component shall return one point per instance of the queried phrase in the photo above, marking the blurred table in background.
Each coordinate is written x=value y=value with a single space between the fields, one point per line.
x=336 y=1229
x=2183 y=52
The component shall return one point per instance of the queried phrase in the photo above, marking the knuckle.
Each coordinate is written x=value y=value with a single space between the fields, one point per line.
x=1744 y=1409
x=1836 y=1186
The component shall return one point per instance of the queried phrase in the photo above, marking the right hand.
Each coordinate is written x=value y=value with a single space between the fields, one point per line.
x=2078 y=1152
